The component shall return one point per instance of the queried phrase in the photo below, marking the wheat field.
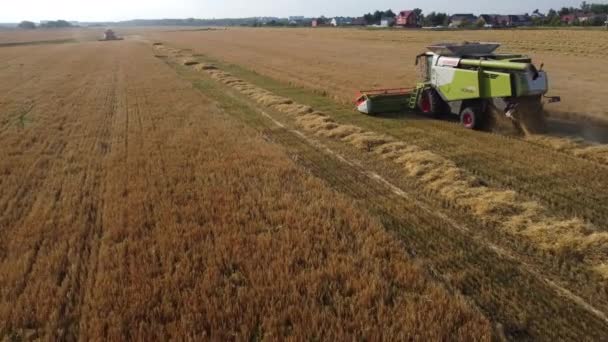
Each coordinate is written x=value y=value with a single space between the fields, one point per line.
x=218 y=185
x=133 y=207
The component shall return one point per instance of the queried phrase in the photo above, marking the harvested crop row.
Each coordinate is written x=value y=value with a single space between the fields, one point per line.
x=185 y=56
x=596 y=153
x=440 y=176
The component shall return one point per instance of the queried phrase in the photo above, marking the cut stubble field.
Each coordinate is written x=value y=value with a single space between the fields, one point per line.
x=341 y=62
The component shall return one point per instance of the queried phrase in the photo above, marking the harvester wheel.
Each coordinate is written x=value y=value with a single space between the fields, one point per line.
x=431 y=103
x=471 y=117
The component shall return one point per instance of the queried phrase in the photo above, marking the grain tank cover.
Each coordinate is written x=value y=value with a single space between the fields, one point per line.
x=463 y=49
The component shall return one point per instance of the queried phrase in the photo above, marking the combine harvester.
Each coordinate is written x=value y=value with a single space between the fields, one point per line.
x=109 y=35
x=471 y=81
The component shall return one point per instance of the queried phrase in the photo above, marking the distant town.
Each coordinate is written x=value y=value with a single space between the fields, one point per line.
x=586 y=15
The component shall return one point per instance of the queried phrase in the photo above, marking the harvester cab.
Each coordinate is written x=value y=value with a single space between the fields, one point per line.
x=471 y=81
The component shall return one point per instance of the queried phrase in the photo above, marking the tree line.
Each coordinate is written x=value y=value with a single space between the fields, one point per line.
x=48 y=24
x=598 y=12
x=431 y=19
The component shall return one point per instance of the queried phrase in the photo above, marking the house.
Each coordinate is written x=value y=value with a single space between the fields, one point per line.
x=569 y=19
x=586 y=17
x=590 y=18
x=387 y=22
x=488 y=20
x=358 y=22
x=514 y=20
x=407 y=19
x=296 y=20
x=315 y=23
x=522 y=20
x=503 y=20
x=537 y=15
x=458 y=20
x=339 y=21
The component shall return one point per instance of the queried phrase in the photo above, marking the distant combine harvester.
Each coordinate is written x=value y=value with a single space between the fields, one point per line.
x=110 y=35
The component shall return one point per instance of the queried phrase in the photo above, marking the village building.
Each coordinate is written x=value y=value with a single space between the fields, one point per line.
x=387 y=22
x=458 y=20
x=406 y=19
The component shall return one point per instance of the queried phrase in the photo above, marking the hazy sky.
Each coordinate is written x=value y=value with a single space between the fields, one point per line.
x=110 y=10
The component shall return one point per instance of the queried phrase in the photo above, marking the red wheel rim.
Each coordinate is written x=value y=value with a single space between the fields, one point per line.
x=467 y=120
x=425 y=104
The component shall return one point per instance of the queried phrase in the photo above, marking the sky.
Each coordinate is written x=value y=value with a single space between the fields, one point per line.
x=115 y=10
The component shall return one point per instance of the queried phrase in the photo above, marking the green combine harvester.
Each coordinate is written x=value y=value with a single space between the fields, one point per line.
x=471 y=81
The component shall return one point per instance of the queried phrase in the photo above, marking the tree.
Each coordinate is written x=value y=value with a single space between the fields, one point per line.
x=598 y=20
x=377 y=16
x=419 y=16
x=26 y=25
x=435 y=19
x=552 y=18
x=598 y=8
x=56 y=24
x=429 y=19
x=389 y=14
x=444 y=17
x=567 y=11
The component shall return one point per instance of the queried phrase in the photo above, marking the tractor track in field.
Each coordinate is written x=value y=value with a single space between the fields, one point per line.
x=92 y=204
x=448 y=248
x=54 y=146
x=80 y=245
x=101 y=145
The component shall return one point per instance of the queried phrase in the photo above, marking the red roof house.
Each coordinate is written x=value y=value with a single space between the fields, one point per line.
x=406 y=19
x=569 y=19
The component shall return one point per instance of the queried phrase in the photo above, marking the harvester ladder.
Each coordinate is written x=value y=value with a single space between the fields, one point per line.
x=413 y=101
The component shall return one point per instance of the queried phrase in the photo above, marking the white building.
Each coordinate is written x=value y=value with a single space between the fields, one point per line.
x=386 y=22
